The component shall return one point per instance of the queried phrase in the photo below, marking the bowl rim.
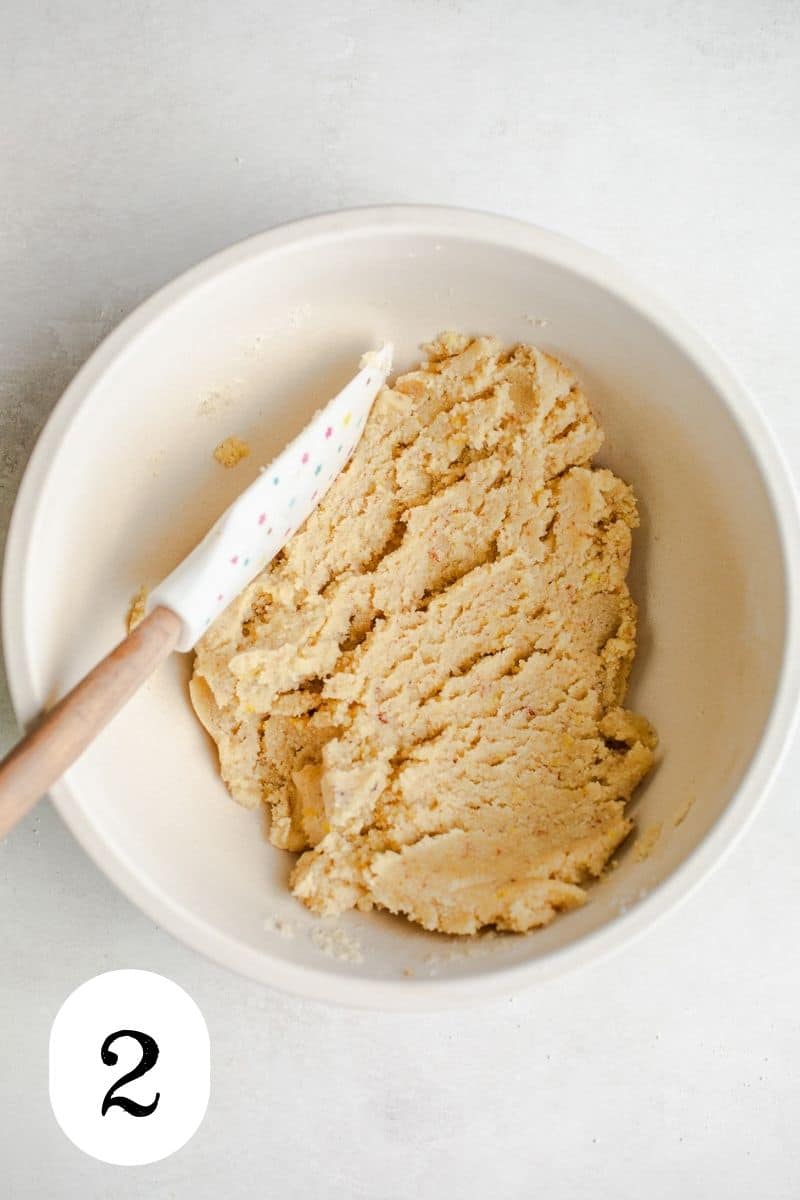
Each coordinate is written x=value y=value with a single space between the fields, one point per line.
x=323 y=984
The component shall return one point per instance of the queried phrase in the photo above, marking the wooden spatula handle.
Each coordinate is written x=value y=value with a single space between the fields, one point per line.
x=65 y=732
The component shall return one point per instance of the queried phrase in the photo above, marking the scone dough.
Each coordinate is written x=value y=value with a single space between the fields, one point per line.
x=425 y=688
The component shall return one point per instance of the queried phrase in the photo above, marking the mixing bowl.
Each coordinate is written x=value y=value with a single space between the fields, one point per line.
x=122 y=483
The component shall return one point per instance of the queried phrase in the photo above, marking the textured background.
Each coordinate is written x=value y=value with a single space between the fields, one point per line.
x=135 y=139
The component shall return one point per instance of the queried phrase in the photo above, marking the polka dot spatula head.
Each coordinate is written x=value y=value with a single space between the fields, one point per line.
x=246 y=537
x=260 y=522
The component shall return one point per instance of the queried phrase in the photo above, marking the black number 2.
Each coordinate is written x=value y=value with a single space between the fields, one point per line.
x=146 y=1062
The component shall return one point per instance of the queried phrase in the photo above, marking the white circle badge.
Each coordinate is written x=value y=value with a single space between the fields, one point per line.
x=130 y=1067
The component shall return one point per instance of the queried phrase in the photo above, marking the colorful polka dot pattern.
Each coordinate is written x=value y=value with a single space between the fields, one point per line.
x=305 y=458
x=257 y=525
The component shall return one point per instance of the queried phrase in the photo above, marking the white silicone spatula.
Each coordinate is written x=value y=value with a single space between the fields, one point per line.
x=245 y=538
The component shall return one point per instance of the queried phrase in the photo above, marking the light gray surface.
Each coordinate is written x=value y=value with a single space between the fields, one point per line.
x=139 y=137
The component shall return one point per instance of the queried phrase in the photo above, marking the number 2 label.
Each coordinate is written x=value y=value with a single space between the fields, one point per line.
x=154 y=1034
x=146 y=1062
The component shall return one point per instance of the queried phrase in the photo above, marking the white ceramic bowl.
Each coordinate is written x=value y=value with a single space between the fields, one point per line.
x=122 y=484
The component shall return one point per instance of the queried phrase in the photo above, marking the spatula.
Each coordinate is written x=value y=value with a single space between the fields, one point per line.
x=241 y=543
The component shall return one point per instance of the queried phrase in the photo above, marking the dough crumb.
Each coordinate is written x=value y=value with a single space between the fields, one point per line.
x=683 y=811
x=136 y=608
x=336 y=943
x=279 y=925
x=426 y=688
x=646 y=843
x=214 y=403
x=463 y=947
x=231 y=451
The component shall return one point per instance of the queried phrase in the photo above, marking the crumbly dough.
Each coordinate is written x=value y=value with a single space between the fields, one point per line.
x=136 y=608
x=231 y=451
x=683 y=811
x=646 y=843
x=425 y=688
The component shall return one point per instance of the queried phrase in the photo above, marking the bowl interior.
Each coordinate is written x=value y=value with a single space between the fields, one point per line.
x=253 y=350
